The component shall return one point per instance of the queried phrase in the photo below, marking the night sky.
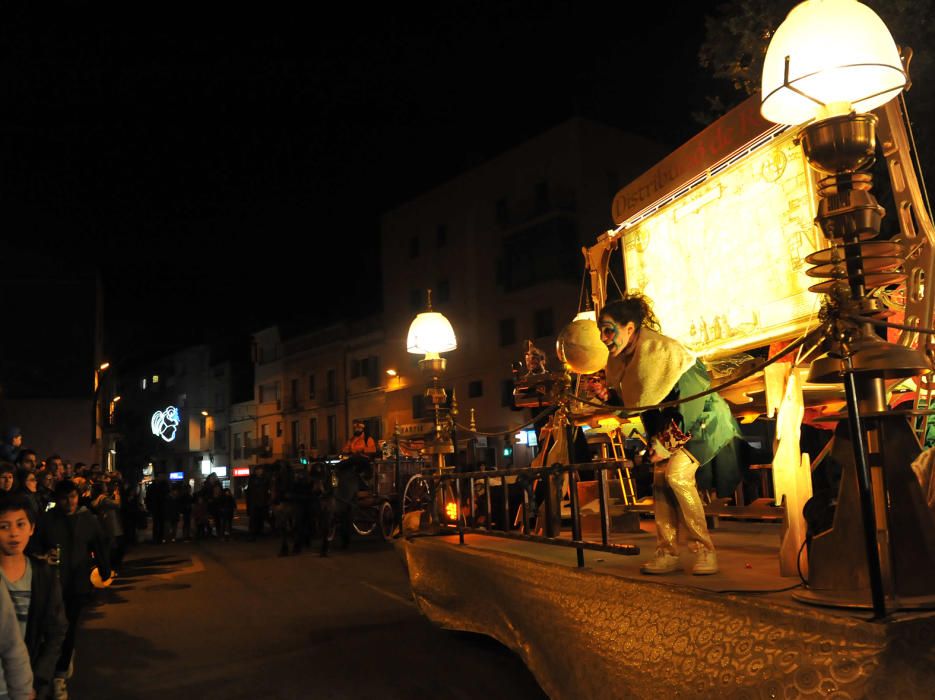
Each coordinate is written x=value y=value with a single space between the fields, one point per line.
x=210 y=165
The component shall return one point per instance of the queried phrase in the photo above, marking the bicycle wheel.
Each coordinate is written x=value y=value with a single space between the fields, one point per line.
x=417 y=495
x=387 y=521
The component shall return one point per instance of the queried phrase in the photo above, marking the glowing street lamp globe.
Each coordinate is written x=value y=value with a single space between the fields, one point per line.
x=829 y=57
x=430 y=334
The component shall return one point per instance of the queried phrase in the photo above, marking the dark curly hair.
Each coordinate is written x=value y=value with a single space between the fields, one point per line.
x=632 y=307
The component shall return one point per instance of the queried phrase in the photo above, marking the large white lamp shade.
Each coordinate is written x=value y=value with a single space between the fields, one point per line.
x=840 y=54
x=430 y=332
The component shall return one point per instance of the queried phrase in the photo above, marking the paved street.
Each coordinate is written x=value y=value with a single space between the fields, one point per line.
x=232 y=620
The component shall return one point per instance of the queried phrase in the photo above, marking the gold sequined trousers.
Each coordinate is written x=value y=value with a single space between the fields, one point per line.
x=676 y=504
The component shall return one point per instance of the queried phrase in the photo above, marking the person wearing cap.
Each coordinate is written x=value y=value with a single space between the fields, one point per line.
x=360 y=444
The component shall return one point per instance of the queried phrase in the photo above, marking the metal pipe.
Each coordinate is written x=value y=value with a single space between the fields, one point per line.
x=575 y=515
x=506 y=504
x=602 y=502
x=866 y=494
x=624 y=549
x=458 y=504
x=489 y=504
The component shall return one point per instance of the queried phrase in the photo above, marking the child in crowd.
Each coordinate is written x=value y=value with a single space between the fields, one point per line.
x=36 y=596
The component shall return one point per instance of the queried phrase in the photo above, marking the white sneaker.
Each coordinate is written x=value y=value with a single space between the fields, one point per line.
x=705 y=562
x=662 y=563
x=59 y=691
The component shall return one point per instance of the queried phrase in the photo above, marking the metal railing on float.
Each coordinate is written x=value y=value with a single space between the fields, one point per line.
x=458 y=522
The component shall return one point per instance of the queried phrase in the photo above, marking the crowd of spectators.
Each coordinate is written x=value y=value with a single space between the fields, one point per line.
x=61 y=524
x=206 y=512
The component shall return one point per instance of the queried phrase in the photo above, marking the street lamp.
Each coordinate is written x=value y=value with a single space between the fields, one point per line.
x=431 y=334
x=828 y=64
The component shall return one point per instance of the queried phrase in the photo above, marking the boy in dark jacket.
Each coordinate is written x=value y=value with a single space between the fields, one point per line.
x=77 y=533
x=34 y=588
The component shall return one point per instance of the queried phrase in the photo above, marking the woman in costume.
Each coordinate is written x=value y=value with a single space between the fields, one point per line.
x=647 y=368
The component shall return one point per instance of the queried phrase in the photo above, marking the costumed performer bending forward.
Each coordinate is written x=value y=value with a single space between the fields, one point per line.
x=646 y=368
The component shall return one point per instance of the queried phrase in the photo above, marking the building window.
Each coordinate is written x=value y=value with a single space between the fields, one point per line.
x=441 y=236
x=506 y=392
x=311 y=386
x=294 y=391
x=264 y=435
x=507 y=331
x=502 y=212
x=475 y=389
x=313 y=433
x=355 y=369
x=332 y=434
x=294 y=436
x=418 y=407
x=416 y=300
x=203 y=427
x=332 y=386
x=542 y=323
x=238 y=446
x=414 y=247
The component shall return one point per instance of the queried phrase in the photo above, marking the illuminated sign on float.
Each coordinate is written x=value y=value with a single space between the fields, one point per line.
x=176 y=476
x=724 y=263
x=166 y=423
x=241 y=471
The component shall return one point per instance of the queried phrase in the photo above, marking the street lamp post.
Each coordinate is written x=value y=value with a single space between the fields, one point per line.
x=827 y=66
x=431 y=334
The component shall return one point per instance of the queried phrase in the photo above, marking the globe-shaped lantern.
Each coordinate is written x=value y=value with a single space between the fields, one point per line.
x=430 y=333
x=580 y=347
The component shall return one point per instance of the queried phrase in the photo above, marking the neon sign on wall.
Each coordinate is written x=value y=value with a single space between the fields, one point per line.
x=165 y=423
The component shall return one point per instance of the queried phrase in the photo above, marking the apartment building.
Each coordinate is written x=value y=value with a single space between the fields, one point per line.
x=500 y=247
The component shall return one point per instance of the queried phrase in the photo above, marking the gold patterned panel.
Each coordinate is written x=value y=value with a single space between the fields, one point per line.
x=585 y=634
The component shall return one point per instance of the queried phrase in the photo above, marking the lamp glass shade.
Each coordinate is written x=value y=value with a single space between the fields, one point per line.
x=840 y=53
x=430 y=332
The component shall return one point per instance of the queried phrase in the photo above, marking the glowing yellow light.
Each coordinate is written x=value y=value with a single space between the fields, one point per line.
x=451 y=510
x=104 y=366
x=391 y=372
x=724 y=263
x=836 y=52
x=609 y=423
